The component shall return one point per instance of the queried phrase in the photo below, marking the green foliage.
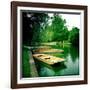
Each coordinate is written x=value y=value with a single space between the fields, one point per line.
x=57 y=31
x=74 y=36
x=47 y=34
x=25 y=63
x=40 y=27
x=33 y=23
x=59 y=28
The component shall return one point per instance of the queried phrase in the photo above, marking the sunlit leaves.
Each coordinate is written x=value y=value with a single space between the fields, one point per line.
x=47 y=27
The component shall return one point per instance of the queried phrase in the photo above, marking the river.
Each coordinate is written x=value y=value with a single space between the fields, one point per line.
x=69 y=67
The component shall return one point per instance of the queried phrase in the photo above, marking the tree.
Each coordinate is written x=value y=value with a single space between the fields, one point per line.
x=74 y=36
x=47 y=34
x=59 y=28
x=33 y=23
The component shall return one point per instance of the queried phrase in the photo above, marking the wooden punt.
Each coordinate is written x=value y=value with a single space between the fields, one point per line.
x=48 y=59
x=46 y=50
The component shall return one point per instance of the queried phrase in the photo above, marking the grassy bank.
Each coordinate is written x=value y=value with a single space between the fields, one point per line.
x=25 y=63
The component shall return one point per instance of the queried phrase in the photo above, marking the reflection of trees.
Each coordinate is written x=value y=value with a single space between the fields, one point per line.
x=57 y=70
x=50 y=70
x=65 y=48
x=66 y=51
x=74 y=53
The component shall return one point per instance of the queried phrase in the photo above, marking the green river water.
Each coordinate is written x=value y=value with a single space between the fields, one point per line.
x=69 y=67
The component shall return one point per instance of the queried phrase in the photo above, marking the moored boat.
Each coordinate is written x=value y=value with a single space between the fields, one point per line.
x=48 y=59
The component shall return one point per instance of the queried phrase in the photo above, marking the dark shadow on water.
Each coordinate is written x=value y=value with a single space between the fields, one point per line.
x=74 y=53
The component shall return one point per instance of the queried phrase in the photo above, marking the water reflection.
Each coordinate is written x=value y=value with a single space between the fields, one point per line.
x=74 y=53
x=69 y=67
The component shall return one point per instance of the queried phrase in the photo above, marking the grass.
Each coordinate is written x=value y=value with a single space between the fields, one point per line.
x=25 y=63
